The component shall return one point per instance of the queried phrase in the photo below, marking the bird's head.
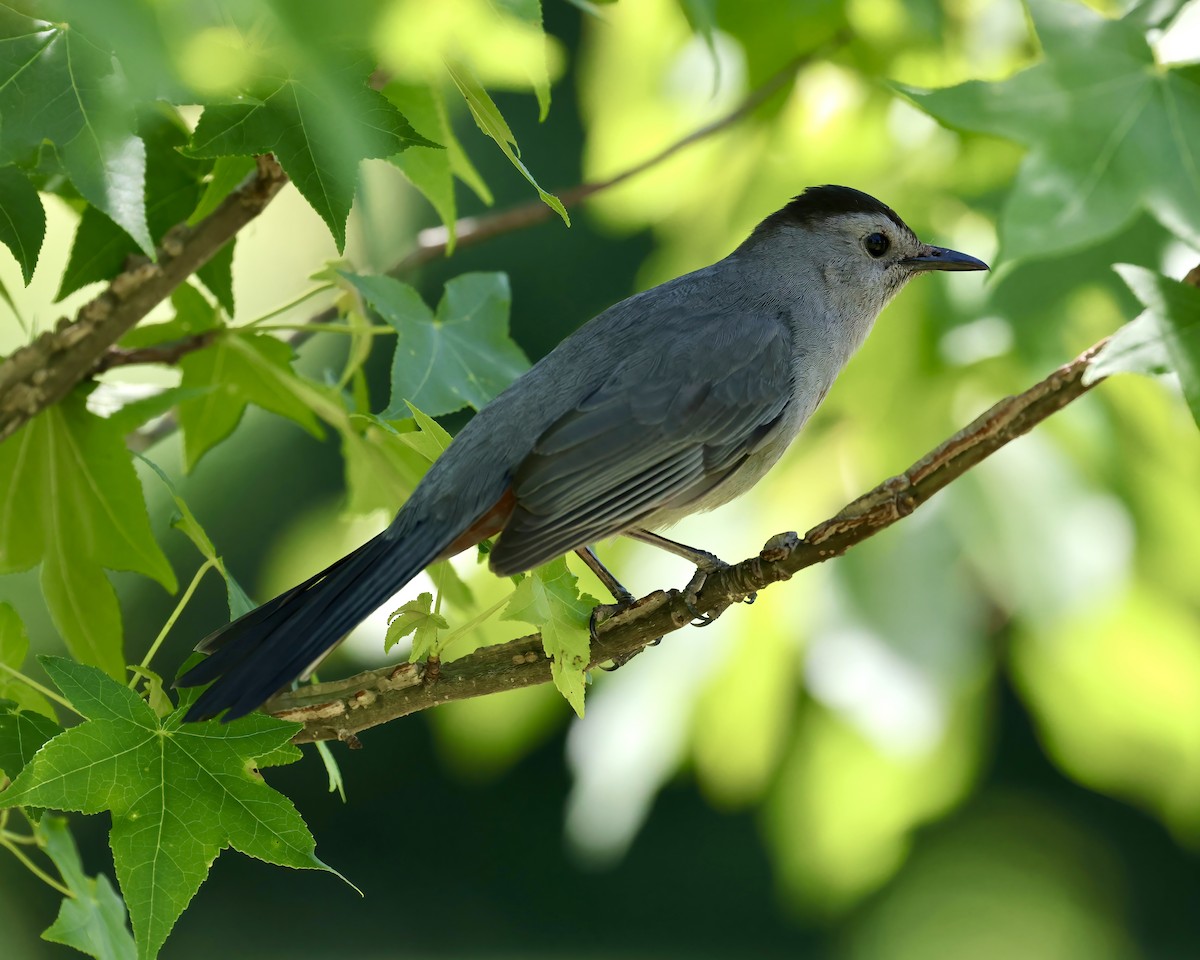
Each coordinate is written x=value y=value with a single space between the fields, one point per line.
x=855 y=247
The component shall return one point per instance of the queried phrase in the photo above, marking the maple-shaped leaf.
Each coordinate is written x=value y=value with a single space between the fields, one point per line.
x=242 y=368
x=174 y=184
x=22 y=219
x=57 y=85
x=92 y=919
x=416 y=617
x=1163 y=338
x=461 y=356
x=549 y=599
x=1109 y=132
x=319 y=127
x=14 y=647
x=179 y=793
x=71 y=501
x=22 y=734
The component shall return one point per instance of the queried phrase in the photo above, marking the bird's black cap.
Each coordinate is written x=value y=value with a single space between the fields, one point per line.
x=818 y=203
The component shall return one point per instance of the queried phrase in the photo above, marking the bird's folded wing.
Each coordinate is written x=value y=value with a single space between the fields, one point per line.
x=665 y=428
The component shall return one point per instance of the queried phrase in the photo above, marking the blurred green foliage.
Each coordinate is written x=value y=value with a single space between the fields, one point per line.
x=867 y=736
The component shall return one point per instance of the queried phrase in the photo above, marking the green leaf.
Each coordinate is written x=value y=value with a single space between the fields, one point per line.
x=217 y=276
x=155 y=693
x=14 y=648
x=243 y=368
x=101 y=247
x=487 y=117
x=187 y=524
x=93 y=920
x=381 y=470
x=319 y=127
x=427 y=168
x=549 y=599
x=226 y=176
x=1165 y=337
x=22 y=734
x=193 y=315
x=56 y=85
x=136 y=413
x=430 y=440
x=530 y=13
x=462 y=356
x=22 y=219
x=416 y=617
x=178 y=793
x=1109 y=133
x=71 y=501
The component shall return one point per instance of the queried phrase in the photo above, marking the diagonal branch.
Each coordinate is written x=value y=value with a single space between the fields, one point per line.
x=40 y=374
x=342 y=708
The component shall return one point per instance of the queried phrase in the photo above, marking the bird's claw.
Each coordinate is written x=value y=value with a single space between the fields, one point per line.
x=691 y=592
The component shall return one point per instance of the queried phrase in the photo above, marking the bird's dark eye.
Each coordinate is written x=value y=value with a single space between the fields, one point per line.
x=877 y=244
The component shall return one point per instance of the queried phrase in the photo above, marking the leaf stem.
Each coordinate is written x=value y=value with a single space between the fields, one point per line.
x=183 y=602
x=34 y=868
x=283 y=308
x=375 y=331
x=44 y=691
x=474 y=621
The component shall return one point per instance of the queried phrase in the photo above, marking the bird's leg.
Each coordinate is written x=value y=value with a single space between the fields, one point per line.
x=706 y=565
x=623 y=597
x=624 y=600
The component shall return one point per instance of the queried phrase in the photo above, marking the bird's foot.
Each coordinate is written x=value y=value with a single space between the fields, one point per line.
x=706 y=566
x=606 y=611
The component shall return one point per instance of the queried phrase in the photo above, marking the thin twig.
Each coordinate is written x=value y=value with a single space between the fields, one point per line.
x=158 y=353
x=342 y=708
x=40 y=374
x=432 y=243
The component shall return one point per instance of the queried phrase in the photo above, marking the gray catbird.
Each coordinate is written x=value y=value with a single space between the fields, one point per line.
x=671 y=402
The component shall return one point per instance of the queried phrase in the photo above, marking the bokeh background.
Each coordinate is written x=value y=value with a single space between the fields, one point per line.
x=976 y=735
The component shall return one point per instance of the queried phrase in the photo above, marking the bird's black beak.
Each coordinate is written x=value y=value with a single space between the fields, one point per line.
x=939 y=258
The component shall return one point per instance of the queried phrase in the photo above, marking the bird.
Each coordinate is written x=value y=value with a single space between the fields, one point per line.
x=671 y=402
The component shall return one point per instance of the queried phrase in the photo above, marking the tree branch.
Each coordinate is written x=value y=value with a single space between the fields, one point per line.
x=39 y=375
x=170 y=352
x=342 y=708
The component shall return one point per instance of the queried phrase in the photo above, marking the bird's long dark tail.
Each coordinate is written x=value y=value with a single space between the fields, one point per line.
x=272 y=645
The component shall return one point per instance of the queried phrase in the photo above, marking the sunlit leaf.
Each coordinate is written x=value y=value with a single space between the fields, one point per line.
x=243 y=368
x=416 y=617
x=71 y=501
x=319 y=128
x=127 y=761
x=101 y=247
x=529 y=12
x=426 y=167
x=549 y=599
x=1165 y=337
x=1109 y=133
x=460 y=356
x=488 y=118
x=93 y=919
x=56 y=85
x=14 y=648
